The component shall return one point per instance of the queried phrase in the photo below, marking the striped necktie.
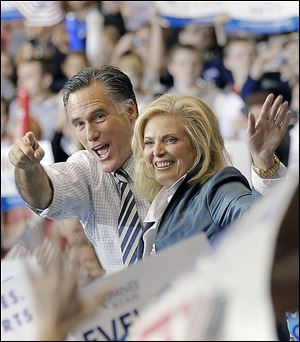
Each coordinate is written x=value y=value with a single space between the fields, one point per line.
x=129 y=225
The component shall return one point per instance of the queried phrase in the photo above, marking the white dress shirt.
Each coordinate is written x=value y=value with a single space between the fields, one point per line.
x=82 y=189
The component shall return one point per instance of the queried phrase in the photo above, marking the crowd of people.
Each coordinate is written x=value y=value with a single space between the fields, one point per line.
x=137 y=116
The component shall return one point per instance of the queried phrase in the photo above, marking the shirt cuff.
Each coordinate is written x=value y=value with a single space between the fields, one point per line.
x=263 y=185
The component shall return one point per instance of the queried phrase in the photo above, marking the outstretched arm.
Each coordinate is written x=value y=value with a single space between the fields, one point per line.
x=266 y=133
x=31 y=179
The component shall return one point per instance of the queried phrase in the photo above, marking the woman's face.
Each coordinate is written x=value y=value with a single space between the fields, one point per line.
x=168 y=148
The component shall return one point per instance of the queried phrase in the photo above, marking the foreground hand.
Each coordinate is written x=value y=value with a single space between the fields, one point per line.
x=26 y=152
x=58 y=304
x=266 y=133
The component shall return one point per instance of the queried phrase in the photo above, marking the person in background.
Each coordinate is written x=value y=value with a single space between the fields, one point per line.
x=83 y=259
x=239 y=54
x=185 y=64
x=71 y=230
x=180 y=168
x=64 y=142
x=133 y=66
x=294 y=132
x=203 y=39
x=6 y=137
x=8 y=86
x=35 y=76
x=84 y=25
x=57 y=290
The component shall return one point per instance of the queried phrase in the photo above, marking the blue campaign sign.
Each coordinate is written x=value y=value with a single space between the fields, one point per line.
x=9 y=12
x=258 y=17
x=263 y=27
x=180 y=22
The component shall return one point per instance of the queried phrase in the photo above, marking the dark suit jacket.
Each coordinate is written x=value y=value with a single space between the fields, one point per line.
x=208 y=208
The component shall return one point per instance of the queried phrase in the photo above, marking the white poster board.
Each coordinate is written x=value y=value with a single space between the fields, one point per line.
x=227 y=298
x=17 y=314
x=258 y=17
x=130 y=289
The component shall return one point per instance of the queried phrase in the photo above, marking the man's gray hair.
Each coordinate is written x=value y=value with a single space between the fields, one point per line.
x=118 y=85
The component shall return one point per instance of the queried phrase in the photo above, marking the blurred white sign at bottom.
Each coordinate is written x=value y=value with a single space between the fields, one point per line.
x=17 y=316
x=228 y=297
x=131 y=290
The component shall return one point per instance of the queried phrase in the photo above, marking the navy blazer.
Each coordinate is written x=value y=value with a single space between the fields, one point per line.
x=207 y=207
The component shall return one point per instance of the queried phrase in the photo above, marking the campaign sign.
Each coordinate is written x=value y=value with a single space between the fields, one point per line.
x=227 y=296
x=128 y=292
x=17 y=316
x=9 y=12
x=135 y=287
x=258 y=17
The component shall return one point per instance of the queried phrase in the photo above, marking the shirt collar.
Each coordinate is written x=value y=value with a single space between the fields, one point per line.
x=172 y=189
x=128 y=166
x=161 y=200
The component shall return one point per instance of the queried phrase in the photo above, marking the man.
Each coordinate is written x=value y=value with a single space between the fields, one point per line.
x=101 y=106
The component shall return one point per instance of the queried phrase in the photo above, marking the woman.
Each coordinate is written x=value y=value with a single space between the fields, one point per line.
x=180 y=167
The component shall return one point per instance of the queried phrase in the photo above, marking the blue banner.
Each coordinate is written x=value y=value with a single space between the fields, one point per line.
x=180 y=22
x=263 y=27
x=239 y=26
x=10 y=14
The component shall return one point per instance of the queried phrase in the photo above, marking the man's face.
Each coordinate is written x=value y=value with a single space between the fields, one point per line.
x=100 y=127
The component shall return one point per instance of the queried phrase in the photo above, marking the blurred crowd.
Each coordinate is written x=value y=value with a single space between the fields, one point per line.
x=233 y=76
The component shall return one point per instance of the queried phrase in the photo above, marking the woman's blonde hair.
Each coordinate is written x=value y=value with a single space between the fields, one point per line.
x=199 y=123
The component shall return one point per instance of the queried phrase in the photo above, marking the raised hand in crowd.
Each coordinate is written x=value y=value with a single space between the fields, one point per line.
x=17 y=251
x=58 y=304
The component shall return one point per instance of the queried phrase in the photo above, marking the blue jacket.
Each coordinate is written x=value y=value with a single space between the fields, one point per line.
x=207 y=207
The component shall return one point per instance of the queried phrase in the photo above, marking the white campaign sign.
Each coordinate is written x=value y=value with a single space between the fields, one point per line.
x=227 y=297
x=189 y=9
x=135 y=287
x=17 y=316
x=246 y=10
x=130 y=291
x=262 y=10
